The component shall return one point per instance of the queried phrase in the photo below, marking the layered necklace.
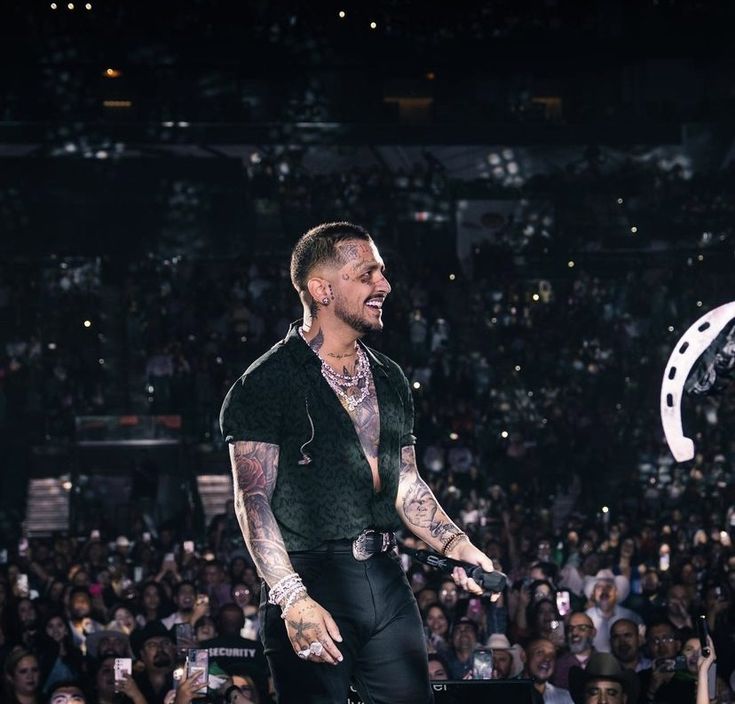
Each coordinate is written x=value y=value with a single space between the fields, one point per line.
x=340 y=383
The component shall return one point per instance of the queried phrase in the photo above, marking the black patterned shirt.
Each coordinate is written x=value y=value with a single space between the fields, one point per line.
x=332 y=496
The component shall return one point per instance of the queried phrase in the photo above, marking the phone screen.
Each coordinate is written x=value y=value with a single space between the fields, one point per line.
x=563 y=602
x=122 y=667
x=197 y=663
x=482 y=664
x=184 y=638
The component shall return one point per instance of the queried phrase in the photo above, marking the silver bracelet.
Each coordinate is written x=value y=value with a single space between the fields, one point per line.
x=286 y=591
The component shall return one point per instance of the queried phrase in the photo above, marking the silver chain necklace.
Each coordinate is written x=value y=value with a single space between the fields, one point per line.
x=339 y=382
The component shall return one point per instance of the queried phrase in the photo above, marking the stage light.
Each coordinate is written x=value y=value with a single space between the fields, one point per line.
x=453 y=436
x=699 y=304
x=452 y=277
x=342 y=14
x=52 y=345
x=671 y=328
x=570 y=264
x=430 y=76
x=101 y=361
x=66 y=485
x=536 y=297
x=605 y=509
x=620 y=201
x=634 y=229
x=701 y=257
x=518 y=367
x=71 y=5
x=150 y=389
x=88 y=6
x=504 y=434
x=113 y=73
x=87 y=323
x=416 y=385
x=373 y=25
x=54 y=6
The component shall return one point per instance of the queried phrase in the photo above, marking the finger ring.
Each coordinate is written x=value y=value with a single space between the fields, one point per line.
x=304 y=654
x=316 y=648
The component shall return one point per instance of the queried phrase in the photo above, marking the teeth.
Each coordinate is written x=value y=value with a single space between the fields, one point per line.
x=375 y=304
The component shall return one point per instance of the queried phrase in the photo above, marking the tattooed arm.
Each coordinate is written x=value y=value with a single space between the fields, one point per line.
x=426 y=519
x=254 y=472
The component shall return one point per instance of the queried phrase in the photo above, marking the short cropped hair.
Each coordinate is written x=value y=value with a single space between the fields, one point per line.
x=318 y=246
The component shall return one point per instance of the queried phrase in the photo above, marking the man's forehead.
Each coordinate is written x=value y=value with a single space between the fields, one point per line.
x=359 y=254
x=605 y=684
x=578 y=619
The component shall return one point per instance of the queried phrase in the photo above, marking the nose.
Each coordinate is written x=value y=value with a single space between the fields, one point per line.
x=383 y=284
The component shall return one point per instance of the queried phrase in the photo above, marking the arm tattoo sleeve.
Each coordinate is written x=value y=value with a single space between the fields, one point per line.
x=418 y=507
x=254 y=471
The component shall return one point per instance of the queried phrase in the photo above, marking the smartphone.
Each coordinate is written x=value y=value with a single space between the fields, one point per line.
x=138 y=574
x=184 y=638
x=677 y=664
x=21 y=582
x=23 y=547
x=122 y=667
x=4 y=556
x=169 y=557
x=197 y=664
x=703 y=633
x=664 y=562
x=189 y=546
x=563 y=602
x=482 y=664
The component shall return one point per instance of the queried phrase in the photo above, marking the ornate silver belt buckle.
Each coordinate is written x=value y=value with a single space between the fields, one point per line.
x=359 y=548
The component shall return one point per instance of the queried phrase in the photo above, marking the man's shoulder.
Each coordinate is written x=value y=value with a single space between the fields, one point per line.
x=390 y=365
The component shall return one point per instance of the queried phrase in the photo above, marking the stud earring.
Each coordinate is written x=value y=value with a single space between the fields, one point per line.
x=325 y=301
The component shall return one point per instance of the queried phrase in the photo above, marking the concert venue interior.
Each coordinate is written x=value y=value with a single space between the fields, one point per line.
x=552 y=187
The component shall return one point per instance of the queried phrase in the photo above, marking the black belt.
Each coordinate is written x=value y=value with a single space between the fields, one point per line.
x=370 y=542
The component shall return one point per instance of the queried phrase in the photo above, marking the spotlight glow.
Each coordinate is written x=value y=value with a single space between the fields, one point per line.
x=373 y=25
x=87 y=323
x=342 y=14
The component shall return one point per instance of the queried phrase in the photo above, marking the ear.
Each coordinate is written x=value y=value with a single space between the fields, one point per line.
x=318 y=288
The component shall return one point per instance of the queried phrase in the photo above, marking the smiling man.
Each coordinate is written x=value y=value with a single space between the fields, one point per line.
x=321 y=441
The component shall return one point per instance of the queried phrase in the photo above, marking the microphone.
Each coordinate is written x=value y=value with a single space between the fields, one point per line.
x=490 y=581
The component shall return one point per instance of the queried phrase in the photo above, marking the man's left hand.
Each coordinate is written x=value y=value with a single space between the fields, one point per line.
x=467 y=552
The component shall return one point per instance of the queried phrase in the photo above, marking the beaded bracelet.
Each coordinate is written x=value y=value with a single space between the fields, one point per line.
x=451 y=541
x=284 y=588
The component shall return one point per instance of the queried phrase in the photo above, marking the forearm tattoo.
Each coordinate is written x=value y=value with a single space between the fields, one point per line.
x=419 y=506
x=254 y=471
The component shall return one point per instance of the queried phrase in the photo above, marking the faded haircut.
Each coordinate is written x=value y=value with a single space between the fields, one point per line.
x=319 y=246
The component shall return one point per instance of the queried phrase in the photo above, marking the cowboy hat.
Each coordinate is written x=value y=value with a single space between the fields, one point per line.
x=499 y=641
x=621 y=584
x=603 y=666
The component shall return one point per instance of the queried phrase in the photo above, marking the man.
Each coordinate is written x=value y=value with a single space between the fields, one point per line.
x=507 y=658
x=66 y=693
x=606 y=590
x=464 y=640
x=154 y=646
x=234 y=654
x=678 y=611
x=540 y=662
x=662 y=683
x=187 y=608
x=604 y=681
x=580 y=641
x=81 y=623
x=322 y=448
x=625 y=642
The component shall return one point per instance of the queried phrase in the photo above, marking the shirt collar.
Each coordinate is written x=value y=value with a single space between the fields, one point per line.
x=303 y=352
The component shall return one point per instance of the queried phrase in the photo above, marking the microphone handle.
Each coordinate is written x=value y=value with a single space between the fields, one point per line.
x=494 y=581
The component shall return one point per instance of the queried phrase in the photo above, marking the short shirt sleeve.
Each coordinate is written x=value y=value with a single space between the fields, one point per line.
x=252 y=409
x=407 y=436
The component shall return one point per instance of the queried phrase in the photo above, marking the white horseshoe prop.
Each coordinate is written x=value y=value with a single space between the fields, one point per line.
x=687 y=351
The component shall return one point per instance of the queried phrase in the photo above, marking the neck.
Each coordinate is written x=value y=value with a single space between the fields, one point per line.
x=26 y=698
x=332 y=343
x=157 y=678
x=539 y=686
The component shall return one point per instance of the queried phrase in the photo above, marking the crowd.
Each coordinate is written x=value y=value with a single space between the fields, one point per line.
x=536 y=401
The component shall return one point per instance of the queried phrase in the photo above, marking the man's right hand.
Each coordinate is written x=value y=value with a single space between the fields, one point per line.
x=306 y=623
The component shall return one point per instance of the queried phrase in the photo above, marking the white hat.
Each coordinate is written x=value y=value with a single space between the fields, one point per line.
x=621 y=583
x=499 y=641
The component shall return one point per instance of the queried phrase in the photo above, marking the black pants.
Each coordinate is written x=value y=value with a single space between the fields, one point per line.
x=383 y=642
